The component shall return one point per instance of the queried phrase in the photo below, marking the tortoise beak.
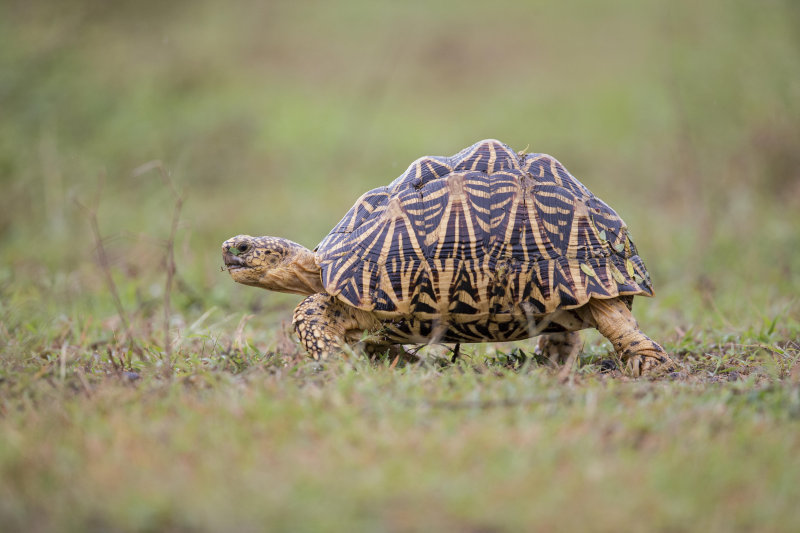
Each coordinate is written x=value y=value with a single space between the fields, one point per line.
x=231 y=260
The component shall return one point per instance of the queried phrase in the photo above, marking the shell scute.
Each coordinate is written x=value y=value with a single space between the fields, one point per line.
x=421 y=172
x=487 y=156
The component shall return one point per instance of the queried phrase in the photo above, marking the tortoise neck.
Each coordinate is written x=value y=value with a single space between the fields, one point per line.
x=302 y=274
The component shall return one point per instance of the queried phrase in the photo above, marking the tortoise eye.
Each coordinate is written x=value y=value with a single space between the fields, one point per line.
x=243 y=247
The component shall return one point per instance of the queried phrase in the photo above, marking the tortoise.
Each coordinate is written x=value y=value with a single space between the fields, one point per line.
x=486 y=245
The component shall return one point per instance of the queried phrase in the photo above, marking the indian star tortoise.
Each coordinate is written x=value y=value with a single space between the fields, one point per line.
x=487 y=245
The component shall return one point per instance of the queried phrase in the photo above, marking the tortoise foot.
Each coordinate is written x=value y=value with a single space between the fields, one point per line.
x=641 y=364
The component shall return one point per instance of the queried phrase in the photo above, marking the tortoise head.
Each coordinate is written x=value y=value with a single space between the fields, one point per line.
x=272 y=263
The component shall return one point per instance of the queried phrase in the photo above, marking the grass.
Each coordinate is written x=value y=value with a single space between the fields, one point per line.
x=185 y=403
x=247 y=440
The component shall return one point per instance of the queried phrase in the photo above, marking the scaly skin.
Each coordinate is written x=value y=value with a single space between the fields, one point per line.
x=325 y=325
x=321 y=323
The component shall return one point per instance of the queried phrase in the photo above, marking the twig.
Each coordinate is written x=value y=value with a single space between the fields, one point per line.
x=62 y=373
x=117 y=368
x=238 y=341
x=170 y=245
x=91 y=213
x=82 y=378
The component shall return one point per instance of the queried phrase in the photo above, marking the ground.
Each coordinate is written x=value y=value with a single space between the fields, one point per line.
x=141 y=389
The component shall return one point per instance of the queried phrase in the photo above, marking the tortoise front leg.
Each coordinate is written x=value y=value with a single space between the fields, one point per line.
x=325 y=325
x=561 y=349
x=614 y=321
x=321 y=322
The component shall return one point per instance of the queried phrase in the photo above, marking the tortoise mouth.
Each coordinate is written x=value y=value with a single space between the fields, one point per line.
x=233 y=262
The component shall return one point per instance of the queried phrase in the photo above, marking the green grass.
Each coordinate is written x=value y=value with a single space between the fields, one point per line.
x=272 y=119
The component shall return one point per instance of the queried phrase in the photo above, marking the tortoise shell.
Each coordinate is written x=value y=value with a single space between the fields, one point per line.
x=484 y=234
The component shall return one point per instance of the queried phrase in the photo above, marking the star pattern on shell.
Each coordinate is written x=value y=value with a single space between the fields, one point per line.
x=464 y=239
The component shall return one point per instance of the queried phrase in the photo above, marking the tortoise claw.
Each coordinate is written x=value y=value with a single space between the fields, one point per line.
x=645 y=364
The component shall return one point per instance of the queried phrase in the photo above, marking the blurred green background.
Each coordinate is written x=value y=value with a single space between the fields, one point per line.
x=273 y=117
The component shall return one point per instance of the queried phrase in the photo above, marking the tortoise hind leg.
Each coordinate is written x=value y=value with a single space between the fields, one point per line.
x=613 y=319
